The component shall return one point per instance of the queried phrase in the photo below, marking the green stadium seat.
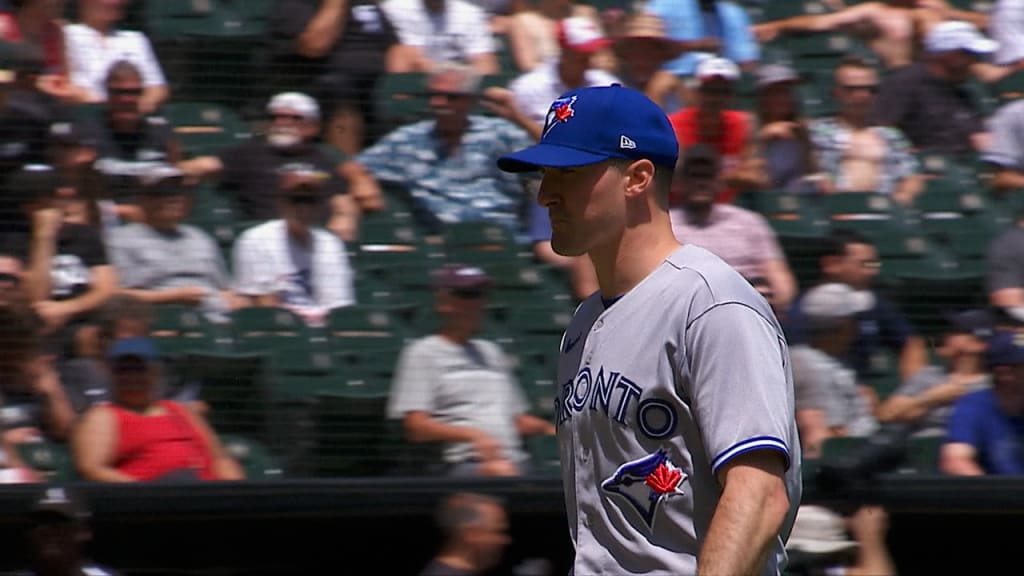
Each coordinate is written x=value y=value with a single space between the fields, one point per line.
x=399 y=98
x=923 y=454
x=296 y=349
x=205 y=128
x=544 y=455
x=959 y=221
x=236 y=388
x=178 y=330
x=207 y=19
x=800 y=226
x=1008 y=88
x=366 y=328
x=352 y=435
x=536 y=370
x=255 y=459
x=51 y=460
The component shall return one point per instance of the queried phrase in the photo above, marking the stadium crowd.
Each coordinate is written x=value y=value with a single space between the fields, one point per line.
x=264 y=238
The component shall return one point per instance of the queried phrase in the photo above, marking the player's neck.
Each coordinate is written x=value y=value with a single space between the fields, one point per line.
x=637 y=252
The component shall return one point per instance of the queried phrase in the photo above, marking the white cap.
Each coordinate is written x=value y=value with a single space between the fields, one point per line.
x=958 y=35
x=835 y=300
x=298 y=102
x=715 y=66
x=818 y=530
x=580 y=33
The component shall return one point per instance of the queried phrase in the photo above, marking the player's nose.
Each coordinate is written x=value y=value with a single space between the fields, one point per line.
x=545 y=195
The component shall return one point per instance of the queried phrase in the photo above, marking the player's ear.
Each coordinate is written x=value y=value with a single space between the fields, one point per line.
x=639 y=177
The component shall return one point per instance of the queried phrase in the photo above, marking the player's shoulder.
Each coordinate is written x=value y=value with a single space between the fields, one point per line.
x=702 y=280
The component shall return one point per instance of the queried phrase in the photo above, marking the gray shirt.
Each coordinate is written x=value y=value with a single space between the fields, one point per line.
x=824 y=383
x=148 y=259
x=659 y=391
x=1007 y=127
x=463 y=385
x=934 y=422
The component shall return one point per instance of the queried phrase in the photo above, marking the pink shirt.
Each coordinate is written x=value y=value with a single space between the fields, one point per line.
x=742 y=238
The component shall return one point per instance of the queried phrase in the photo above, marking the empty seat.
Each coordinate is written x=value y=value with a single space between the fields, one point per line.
x=205 y=127
x=255 y=459
x=235 y=387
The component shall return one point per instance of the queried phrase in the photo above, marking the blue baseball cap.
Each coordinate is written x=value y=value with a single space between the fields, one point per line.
x=591 y=125
x=1006 y=348
x=140 y=347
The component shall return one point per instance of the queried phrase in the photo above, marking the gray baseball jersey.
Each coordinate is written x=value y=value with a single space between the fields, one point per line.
x=658 y=391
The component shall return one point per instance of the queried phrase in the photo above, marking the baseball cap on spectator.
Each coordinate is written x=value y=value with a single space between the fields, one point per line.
x=835 y=301
x=818 y=530
x=455 y=276
x=977 y=323
x=591 y=125
x=297 y=102
x=1006 y=348
x=955 y=35
x=769 y=74
x=716 y=67
x=580 y=34
x=60 y=503
x=140 y=348
x=33 y=182
x=700 y=158
x=163 y=181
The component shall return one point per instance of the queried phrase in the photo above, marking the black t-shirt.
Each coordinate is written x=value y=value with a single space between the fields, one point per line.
x=119 y=151
x=935 y=115
x=251 y=169
x=361 y=50
x=79 y=249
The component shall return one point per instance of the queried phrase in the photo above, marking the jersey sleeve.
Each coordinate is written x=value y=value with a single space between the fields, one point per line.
x=741 y=394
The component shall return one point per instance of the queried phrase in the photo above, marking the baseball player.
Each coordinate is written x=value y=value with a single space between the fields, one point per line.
x=675 y=411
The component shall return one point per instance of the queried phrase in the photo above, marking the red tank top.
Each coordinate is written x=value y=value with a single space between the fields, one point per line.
x=149 y=447
x=730 y=143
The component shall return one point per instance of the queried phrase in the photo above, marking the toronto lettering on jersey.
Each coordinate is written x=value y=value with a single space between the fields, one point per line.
x=617 y=397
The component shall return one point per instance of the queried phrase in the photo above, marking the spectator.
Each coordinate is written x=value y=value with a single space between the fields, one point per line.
x=59 y=534
x=984 y=428
x=850 y=258
x=38 y=22
x=854 y=154
x=926 y=399
x=35 y=407
x=129 y=141
x=69 y=276
x=162 y=260
x=711 y=121
x=820 y=543
x=454 y=388
x=579 y=39
x=338 y=50
x=73 y=154
x=444 y=31
x=12 y=274
x=1005 y=281
x=533 y=32
x=716 y=26
x=1006 y=26
x=248 y=172
x=783 y=157
x=95 y=43
x=830 y=401
x=641 y=51
x=892 y=29
x=137 y=437
x=474 y=529
x=291 y=261
x=927 y=100
x=1006 y=154
x=740 y=237
x=448 y=163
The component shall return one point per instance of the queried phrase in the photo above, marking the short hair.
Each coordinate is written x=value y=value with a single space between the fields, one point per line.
x=663 y=176
x=122 y=307
x=462 y=510
x=839 y=240
x=469 y=78
x=120 y=70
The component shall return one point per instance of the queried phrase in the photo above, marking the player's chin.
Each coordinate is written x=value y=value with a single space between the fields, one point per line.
x=565 y=247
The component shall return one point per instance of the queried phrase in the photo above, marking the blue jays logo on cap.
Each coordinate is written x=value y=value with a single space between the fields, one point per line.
x=596 y=124
x=645 y=483
x=560 y=112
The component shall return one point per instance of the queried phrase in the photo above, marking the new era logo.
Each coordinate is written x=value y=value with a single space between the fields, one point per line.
x=625 y=143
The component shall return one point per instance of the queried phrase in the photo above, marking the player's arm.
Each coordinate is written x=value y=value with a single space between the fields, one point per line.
x=749 y=515
x=959 y=459
x=768 y=31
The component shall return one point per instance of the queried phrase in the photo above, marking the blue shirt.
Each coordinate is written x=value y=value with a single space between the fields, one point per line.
x=460 y=187
x=684 y=21
x=881 y=327
x=978 y=421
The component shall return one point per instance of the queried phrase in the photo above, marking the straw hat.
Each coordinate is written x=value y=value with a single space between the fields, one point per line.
x=646 y=27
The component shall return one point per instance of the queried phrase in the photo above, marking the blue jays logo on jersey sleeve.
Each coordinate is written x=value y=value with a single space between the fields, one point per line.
x=560 y=112
x=645 y=483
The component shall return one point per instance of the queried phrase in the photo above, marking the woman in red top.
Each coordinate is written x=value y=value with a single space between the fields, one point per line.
x=137 y=437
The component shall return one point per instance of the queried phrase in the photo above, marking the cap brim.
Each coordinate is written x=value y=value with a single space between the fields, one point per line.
x=547 y=156
x=591 y=46
x=982 y=46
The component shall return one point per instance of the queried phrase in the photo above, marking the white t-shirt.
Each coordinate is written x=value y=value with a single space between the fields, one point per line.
x=536 y=90
x=90 y=55
x=459 y=33
x=268 y=261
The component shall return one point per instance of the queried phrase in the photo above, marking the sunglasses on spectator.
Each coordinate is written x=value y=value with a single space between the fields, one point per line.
x=304 y=199
x=448 y=95
x=468 y=293
x=125 y=91
x=872 y=88
x=292 y=117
